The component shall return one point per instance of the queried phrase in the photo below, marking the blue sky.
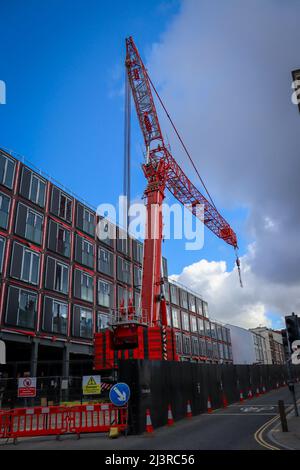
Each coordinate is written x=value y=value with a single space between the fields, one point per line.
x=62 y=62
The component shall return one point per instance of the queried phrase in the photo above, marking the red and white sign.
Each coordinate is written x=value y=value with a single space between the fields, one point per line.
x=27 y=387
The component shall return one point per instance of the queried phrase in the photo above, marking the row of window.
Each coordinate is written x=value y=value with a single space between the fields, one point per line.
x=21 y=312
x=191 y=345
x=33 y=188
x=204 y=327
x=187 y=301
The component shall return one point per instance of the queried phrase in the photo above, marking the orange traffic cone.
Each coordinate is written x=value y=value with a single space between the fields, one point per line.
x=224 y=401
x=264 y=389
x=241 y=396
x=189 y=413
x=257 y=392
x=209 y=407
x=149 y=427
x=250 y=394
x=170 y=416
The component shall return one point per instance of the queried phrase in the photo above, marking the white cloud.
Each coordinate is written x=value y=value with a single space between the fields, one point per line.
x=224 y=69
x=247 y=307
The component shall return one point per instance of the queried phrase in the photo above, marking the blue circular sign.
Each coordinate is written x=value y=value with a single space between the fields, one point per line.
x=119 y=394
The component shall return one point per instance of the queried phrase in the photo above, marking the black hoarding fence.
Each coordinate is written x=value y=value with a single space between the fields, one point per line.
x=157 y=384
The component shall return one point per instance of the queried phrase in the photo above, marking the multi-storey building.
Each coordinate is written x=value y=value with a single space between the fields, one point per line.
x=274 y=344
x=248 y=346
x=59 y=280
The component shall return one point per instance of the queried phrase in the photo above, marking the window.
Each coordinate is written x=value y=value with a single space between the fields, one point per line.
x=59 y=239
x=195 y=346
x=199 y=306
x=202 y=347
x=205 y=309
x=123 y=243
x=164 y=268
x=55 y=318
x=124 y=271
x=82 y=322
x=228 y=335
x=34 y=223
x=194 y=328
x=184 y=299
x=83 y=286
x=219 y=332
x=168 y=315
x=4 y=210
x=167 y=291
x=137 y=277
x=106 y=232
x=61 y=204
x=186 y=345
x=207 y=328
x=175 y=317
x=178 y=339
x=29 y=224
x=102 y=321
x=2 y=246
x=85 y=220
x=220 y=348
x=84 y=253
x=215 y=350
x=57 y=276
x=213 y=330
x=7 y=170
x=105 y=293
x=201 y=326
x=174 y=294
x=185 y=322
x=21 y=308
x=33 y=187
x=138 y=249
x=209 y=348
x=25 y=264
x=123 y=297
x=192 y=303
x=105 y=262
x=137 y=302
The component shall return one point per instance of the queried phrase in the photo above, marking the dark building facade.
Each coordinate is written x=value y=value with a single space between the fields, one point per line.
x=59 y=282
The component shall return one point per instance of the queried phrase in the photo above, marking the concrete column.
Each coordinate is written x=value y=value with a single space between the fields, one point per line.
x=34 y=358
x=65 y=371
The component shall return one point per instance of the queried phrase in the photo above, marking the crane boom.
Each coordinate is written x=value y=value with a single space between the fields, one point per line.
x=176 y=180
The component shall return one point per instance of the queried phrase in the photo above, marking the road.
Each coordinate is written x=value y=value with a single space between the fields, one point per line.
x=233 y=428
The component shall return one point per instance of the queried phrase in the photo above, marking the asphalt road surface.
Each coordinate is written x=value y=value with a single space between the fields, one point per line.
x=238 y=427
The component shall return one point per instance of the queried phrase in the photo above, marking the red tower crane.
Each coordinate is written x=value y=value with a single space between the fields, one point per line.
x=162 y=171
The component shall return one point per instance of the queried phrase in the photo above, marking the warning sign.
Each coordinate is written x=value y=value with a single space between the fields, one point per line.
x=91 y=385
x=27 y=387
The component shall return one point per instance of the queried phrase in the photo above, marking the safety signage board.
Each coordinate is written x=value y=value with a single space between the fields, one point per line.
x=91 y=385
x=27 y=387
x=119 y=394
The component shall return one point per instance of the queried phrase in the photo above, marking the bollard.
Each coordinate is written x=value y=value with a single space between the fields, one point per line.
x=282 y=414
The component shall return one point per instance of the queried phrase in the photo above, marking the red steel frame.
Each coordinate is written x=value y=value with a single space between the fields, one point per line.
x=162 y=171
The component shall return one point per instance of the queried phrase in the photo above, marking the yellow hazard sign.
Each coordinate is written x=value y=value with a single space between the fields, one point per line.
x=91 y=385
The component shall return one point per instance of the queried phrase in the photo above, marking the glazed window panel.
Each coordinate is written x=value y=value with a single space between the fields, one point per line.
x=4 y=210
x=7 y=171
x=175 y=317
x=184 y=299
x=105 y=293
x=2 y=247
x=185 y=322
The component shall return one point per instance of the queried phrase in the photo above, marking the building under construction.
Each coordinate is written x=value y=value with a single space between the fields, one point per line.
x=60 y=283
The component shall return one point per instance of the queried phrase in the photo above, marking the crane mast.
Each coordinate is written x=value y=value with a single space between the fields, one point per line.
x=163 y=172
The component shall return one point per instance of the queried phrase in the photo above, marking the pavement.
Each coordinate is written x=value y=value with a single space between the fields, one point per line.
x=241 y=426
x=288 y=440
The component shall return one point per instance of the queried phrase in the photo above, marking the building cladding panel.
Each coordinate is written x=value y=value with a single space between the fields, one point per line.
x=59 y=278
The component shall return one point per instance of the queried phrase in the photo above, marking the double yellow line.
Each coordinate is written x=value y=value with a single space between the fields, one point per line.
x=258 y=436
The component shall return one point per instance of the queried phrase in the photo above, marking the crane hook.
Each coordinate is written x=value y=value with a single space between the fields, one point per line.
x=238 y=263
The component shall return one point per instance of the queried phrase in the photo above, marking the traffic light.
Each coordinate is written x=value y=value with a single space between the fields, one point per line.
x=292 y=328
